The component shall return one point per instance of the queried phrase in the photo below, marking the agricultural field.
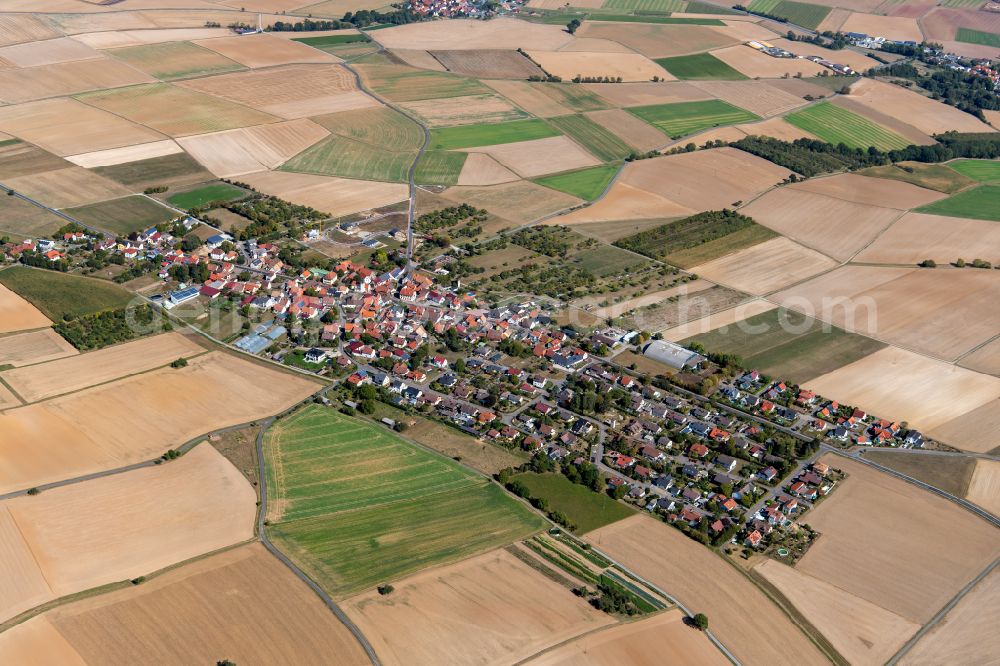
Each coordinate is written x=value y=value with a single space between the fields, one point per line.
x=586 y=184
x=788 y=345
x=115 y=156
x=493 y=608
x=471 y=110
x=931 y=176
x=33 y=347
x=385 y=508
x=970 y=36
x=336 y=196
x=251 y=149
x=586 y=509
x=400 y=83
x=699 y=67
x=18 y=313
x=204 y=195
x=754 y=64
x=18 y=158
x=951 y=474
x=265 y=50
x=339 y=156
x=242 y=603
x=625 y=66
x=599 y=141
x=487 y=63
x=125 y=215
x=550 y=99
x=472 y=136
x=529 y=159
x=925 y=114
x=66 y=78
x=983 y=171
x=57 y=295
x=800 y=13
x=66 y=188
x=741 y=616
x=683 y=118
x=635 y=133
x=980 y=203
x=765 y=267
x=20 y=218
x=175 y=170
x=175 y=60
x=481 y=169
x=441 y=167
x=659 y=40
x=916 y=237
x=646 y=5
x=836 y=125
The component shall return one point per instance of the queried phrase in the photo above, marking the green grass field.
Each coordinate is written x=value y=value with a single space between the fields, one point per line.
x=984 y=171
x=206 y=194
x=340 y=156
x=606 y=260
x=699 y=67
x=125 y=215
x=683 y=118
x=585 y=508
x=61 y=296
x=384 y=128
x=789 y=346
x=970 y=36
x=836 y=125
x=646 y=5
x=600 y=142
x=440 y=167
x=981 y=203
x=355 y=505
x=667 y=20
x=470 y=136
x=586 y=184
x=799 y=13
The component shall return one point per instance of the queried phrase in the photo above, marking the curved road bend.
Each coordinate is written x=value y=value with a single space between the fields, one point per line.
x=262 y=534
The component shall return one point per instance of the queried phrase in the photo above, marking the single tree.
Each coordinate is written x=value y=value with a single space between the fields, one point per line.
x=701 y=621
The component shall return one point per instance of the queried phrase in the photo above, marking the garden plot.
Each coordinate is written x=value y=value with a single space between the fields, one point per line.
x=250 y=149
x=628 y=66
x=336 y=196
x=766 y=267
x=264 y=50
x=293 y=91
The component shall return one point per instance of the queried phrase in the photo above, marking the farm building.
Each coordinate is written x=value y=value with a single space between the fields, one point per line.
x=671 y=354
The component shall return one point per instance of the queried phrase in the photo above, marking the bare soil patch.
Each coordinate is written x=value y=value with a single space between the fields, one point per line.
x=658 y=40
x=855 y=518
x=34 y=347
x=66 y=78
x=500 y=33
x=916 y=236
x=46 y=380
x=753 y=63
x=629 y=66
x=746 y=621
x=249 y=149
x=636 y=133
x=17 y=314
x=336 y=196
x=925 y=114
x=763 y=268
x=492 y=608
x=264 y=50
x=541 y=156
x=487 y=63
x=69 y=187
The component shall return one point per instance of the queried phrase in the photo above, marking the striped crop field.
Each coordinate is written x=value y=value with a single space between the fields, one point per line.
x=836 y=125
x=684 y=118
x=646 y=5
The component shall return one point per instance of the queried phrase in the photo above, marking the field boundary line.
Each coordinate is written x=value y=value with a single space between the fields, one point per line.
x=5 y=384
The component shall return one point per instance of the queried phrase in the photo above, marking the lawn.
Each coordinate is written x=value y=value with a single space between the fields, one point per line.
x=799 y=13
x=836 y=125
x=699 y=67
x=356 y=506
x=600 y=142
x=984 y=171
x=682 y=118
x=932 y=176
x=61 y=296
x=125 y=215
x=585 y=508
x=981 y=203
x=340 y=156
x=586 y=184
x=970 y=36
x=787 y=345
x=471 y=136
x=205 y=195
x=440 y=167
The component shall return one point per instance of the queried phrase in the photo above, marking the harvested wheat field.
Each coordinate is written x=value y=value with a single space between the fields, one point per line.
x=122 y=38
x=17 y=28
x=984 y=359
x=67 y=127
x=336 y=196
x=114 y=156
x=67 y=78
x=742 y=618
x=779 y=128
x=753 y=63
x=499 y=33
x=914 y=109
x=18 y=158
x=464 y=110
x=69 y=187
x=33 y=347
x=47 y=52
x=967 y=634
x=120 y=527
x=862 y=632
x=664 y=638
x=975 y=430
x=754 y=96
x=909 y=307
x=263 y=50
x=871 y=191
x=836 y=227
x=984 y=488
x=294 y=91
x=569 y=64
x=642 y=94
x=242 y=603
x=625 y=202
x=766 y=267
x=489 y=609
x=916 y=236
x=725 y=134
x=137 y=418
x=705 y=179
x=886 y=120
x=595 y=45
x=931 y=395
x=174 y=60
x=250 y=149
x=22 y=585
x=854 y=520
x=176 y=111
x=636 y=133
x=540 y=156
x=531 y=98
x=899 y=28
x=481 y=169
x=17 y=314
x=718 y=320
x=37 y=641
x=488 y=63
x=47 y=380
x=658 y=41
x=8 y=399
x=520 y=201
x=420 y=59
